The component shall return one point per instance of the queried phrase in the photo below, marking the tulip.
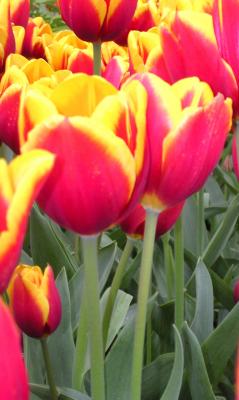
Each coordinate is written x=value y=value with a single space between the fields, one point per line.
x=13 y=378
x=35 y=300
x=189 y=39
x=20 y=183
x=133 y=225
x=189 y=133
x=38 y=34
x=104 y=174
x=95 y=20
x=7 y=41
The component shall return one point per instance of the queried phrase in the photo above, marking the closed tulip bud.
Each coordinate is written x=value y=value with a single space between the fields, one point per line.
x=34 y=300
x=13 y=377
x=95 y=20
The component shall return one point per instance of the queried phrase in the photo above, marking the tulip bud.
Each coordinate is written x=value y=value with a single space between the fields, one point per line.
x=94 y=20
x=34 y=300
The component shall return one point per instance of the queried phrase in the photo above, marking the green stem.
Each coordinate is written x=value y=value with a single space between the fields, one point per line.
x=169 y=270
x=97 y=58
x=200 y=222
x=179 y=274
x=77 y=247
x=50 y=377
x=149 y=339
x=81 y=346
x=143 y=293
x=115 y=286
x=89 y=244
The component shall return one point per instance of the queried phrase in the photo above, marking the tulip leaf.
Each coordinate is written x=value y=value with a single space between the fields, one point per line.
x=49 y=244
x=64 y=393
x=222 y=234
x=156 y=376
x=173 y=387
x=34 y=359
x=121 y=306
x=199 y=383
x=119 y=359
x=61 y=343
x=202 y=324
x=221 y=344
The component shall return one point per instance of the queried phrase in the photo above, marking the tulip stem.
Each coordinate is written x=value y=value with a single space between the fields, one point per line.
x=81 y=346
x=179 y=274
x=169 y=270
x=115 y=286
x=94 y=318
x=143 y=294
x=200 y=222
x=49 y=371
x=97 y=58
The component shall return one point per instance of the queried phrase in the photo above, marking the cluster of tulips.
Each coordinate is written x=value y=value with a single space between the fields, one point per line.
x=113 y=122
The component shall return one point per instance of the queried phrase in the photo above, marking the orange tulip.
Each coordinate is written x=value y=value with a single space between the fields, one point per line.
x=95 y=20
x=34 y=300
x=20 y=183
x=13 y=378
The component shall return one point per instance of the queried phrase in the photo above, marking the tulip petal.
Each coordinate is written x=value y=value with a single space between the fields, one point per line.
x=30 y=306
x=13 y=378
x=100 y=170
x=80 y=94
x=49 y=289
x=28 y=173
x=194 y=149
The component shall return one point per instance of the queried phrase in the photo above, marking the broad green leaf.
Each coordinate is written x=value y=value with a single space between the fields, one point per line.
x=64 y=393
x=34 y=359
x=118 y=364
x=221 y=344
x=50 y=245
x=156 y=376
x=120 y=310
x=61 y=343
x=173 y=388
x=199 y=383
x=119 y=359
x=223 y=233
x=202 y=324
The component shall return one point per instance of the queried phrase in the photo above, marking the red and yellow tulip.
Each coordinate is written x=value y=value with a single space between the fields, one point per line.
x=188 y=133
x=13 y=377
x=105 y=173
x=35 y=300
x=95 y=20
x=20 y=183
x=20 y=11
x=133 y=225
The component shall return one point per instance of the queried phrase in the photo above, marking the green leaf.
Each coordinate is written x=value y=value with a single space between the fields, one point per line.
x=49 y=244
x=199 y=383
x=61 y=343
x=33 y=359
x=120 y=310
x=64 y=393
x=173 y=388
x=202 y=324
x=221 y=344
x=156 y=376
x=222 y=234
